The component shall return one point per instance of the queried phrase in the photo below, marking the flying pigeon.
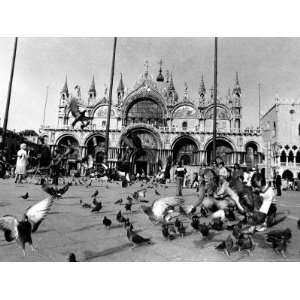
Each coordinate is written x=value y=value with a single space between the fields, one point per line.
x=32 y=218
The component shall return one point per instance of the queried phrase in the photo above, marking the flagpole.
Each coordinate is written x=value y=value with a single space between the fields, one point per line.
x=9 y=95
x=110 y=101
x=215 y=100
x=46 y=100
x=259 y=105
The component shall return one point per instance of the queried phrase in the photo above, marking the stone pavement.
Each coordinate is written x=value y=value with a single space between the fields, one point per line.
x=70 y=228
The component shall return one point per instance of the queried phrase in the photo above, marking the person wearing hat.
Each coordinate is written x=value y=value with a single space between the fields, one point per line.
x=22 y=157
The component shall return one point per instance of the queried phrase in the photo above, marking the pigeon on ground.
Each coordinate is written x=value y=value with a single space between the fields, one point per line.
x=204 y=229
x=245 y=242
x=119 y=201
x=128 y=206
x=195 y=222
x=157 y=192
x=85 y=205
x=226 y=245
x=72 y=257
x=181 y=229
x=298 y=224
x=26 y=196
x=95 y=194
x=97 y=207
x=136 y=239
x=32 y=218
x=166 y=232
x=217 y=224
x=120 y=218
x=129 y=199
x=106 y=222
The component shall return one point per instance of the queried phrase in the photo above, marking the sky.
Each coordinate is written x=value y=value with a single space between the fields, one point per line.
x=42 y=62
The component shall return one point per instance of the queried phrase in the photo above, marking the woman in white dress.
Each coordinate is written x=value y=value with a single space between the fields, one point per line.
x=22 y=157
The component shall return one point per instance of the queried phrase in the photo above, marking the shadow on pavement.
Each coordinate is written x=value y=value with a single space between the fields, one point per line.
x=85 y=227
x=89 y=255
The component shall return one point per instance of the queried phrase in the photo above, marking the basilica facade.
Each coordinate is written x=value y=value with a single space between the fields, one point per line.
x=169 y=125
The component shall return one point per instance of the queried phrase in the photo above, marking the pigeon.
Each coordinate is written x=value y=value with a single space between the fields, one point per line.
x=95 y=194
x=119 y=201
x=128 y=206
x=79 y=116
x=128 y=224
x=54 y=190
x=106 y=222
x=32 y=218
x=85 y=205
x=157 y=192
x=177 y=223
x=204 y=229
x=195 y=222
x=120 y=218
x=161 y=208
x=136 y=239
x=226 y=245
x=229 y=214
x=26 y=196
x=130 y=199
x=181 y=229
x=72 y=257
x=97 y=207
x=217 y=224
x=245 y=242
x=279 y=234
x=166 y=233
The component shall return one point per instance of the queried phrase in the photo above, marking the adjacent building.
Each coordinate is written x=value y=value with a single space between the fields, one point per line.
x=281 y=135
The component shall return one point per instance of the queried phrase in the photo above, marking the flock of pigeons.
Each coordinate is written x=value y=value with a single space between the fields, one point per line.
x=240 y=237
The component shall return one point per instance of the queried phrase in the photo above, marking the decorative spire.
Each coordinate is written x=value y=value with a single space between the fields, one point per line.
x=146 y=73
x=120 y=89
x=171 y=84
x=65 y=89
x=167 y=76
x=237 y=89
x=160 y=77
x=186 y=94
x=202 y=89
x=92 y=87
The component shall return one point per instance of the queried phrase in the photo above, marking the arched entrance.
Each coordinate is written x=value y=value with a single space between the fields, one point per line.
x=95 y=146
x=288 y=175
x=62 y=145
x=140 y=146
x=185 y=150
x=224 y=152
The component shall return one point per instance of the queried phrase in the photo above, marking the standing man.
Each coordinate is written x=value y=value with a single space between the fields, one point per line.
x=179 y=173
x=278 y=183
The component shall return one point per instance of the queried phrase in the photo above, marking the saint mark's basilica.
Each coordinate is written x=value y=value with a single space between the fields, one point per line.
x=168 y=124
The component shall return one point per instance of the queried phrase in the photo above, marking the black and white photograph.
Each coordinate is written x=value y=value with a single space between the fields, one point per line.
x=150 y=149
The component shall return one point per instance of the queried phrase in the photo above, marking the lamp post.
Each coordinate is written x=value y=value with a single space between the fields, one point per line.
x=110 y=100
x=215 y=100
x=9 y=95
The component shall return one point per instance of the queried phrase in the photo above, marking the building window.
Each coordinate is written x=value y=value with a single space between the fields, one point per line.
x=184 y=125
x=283 y=156
x=291 y=156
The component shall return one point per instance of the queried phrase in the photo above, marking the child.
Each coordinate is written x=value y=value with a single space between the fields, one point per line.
x=268 y=208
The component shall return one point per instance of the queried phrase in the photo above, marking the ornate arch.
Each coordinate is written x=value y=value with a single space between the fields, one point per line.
x=229 y=141
x=219 y=105
x=183 y=104
x=142 y=127
x=255 y=143
x=185 y=136
x=66 y=135
x=143 y=92
x=90 y=136
x=101 y=104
